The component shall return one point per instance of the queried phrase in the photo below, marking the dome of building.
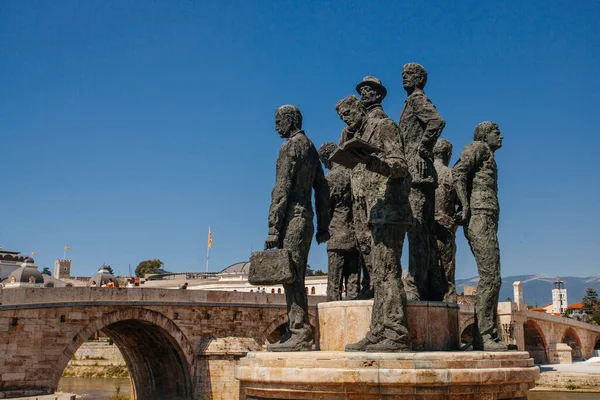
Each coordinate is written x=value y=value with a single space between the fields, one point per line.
x=26 y=274
x=103 y=276
x=11 y=256
x=237 y=268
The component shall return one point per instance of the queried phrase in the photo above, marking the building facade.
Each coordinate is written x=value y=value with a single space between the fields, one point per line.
x=232 y=279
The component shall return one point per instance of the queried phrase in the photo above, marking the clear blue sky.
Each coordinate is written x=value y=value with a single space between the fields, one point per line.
x=129 y=127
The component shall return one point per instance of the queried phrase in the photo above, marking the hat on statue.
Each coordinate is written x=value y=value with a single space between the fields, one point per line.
x=374 y=83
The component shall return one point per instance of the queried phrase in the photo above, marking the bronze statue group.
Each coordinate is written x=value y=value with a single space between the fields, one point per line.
x=391 y=180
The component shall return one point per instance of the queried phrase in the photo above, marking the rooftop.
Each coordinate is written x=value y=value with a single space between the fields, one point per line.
x=237 y=268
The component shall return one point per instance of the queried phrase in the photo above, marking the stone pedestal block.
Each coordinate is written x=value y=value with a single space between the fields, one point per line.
x=559 y=353
x=433 y=325
x=328 y=375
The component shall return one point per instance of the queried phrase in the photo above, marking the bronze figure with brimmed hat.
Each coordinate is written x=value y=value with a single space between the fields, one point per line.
x=372 y=93
x=373 y=83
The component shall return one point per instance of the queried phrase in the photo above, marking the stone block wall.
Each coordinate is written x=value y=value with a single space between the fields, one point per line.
x=102 y=351
x=196 y=336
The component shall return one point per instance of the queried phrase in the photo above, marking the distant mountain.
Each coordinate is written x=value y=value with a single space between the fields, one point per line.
x=537 y=289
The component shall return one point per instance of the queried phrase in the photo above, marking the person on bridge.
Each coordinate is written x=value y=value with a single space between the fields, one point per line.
x=298 y=172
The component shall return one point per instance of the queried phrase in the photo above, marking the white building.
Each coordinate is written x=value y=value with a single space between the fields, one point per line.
x=559 y=297
x=233 y=279
x=12 y=261
x=9 y=262
x=26 y=276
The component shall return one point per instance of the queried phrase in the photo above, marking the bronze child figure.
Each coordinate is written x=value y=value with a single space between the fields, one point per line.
x=342 y=250
x=445 y=216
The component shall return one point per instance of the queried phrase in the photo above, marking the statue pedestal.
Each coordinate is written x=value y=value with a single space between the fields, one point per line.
x=433 y=325
x=329 y=375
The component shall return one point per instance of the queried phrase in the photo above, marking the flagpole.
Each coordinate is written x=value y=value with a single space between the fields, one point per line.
x=208 y=250
x=65 y=254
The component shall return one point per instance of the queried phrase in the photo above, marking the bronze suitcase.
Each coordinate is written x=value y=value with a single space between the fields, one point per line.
x=271 y=267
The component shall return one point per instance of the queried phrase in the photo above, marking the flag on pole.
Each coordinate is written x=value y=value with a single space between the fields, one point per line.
x=67 y=248
x=209 y=238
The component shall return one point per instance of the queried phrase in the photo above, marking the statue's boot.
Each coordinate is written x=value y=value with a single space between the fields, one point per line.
x=494 y=345
x=365 y=294
x=388 y=346
x=297 y=342
x=359 y=346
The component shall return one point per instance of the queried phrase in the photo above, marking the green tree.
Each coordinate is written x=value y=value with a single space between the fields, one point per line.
x=309 y=271
x=590 y=301
x=148 y=267
x=109 y=269
x=591 y=305
x=320 y=272
x=46 y=271
x=595 y=317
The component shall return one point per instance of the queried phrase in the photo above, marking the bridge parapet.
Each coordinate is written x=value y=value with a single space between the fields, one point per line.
x=562 y=320
x=78 y=295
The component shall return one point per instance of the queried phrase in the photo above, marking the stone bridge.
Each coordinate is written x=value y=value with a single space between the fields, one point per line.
x=177 y=344
x=543 y=332
x=539 y=333
x=184 y=344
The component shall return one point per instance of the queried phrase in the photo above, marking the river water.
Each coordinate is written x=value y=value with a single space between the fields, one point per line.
x=102 y=388
x=94 y=388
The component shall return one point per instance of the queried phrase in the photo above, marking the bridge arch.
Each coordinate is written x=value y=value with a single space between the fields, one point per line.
x=466 y=335
x=597 y=343
x=571 y=338
x=535 y=342
x=158 y=355
x=465 y=321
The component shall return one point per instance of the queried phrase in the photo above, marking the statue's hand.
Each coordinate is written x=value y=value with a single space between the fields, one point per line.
x=271 y=242
x=361 y=156
x=462 y=216
x=424 y=153
x=322 y=236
